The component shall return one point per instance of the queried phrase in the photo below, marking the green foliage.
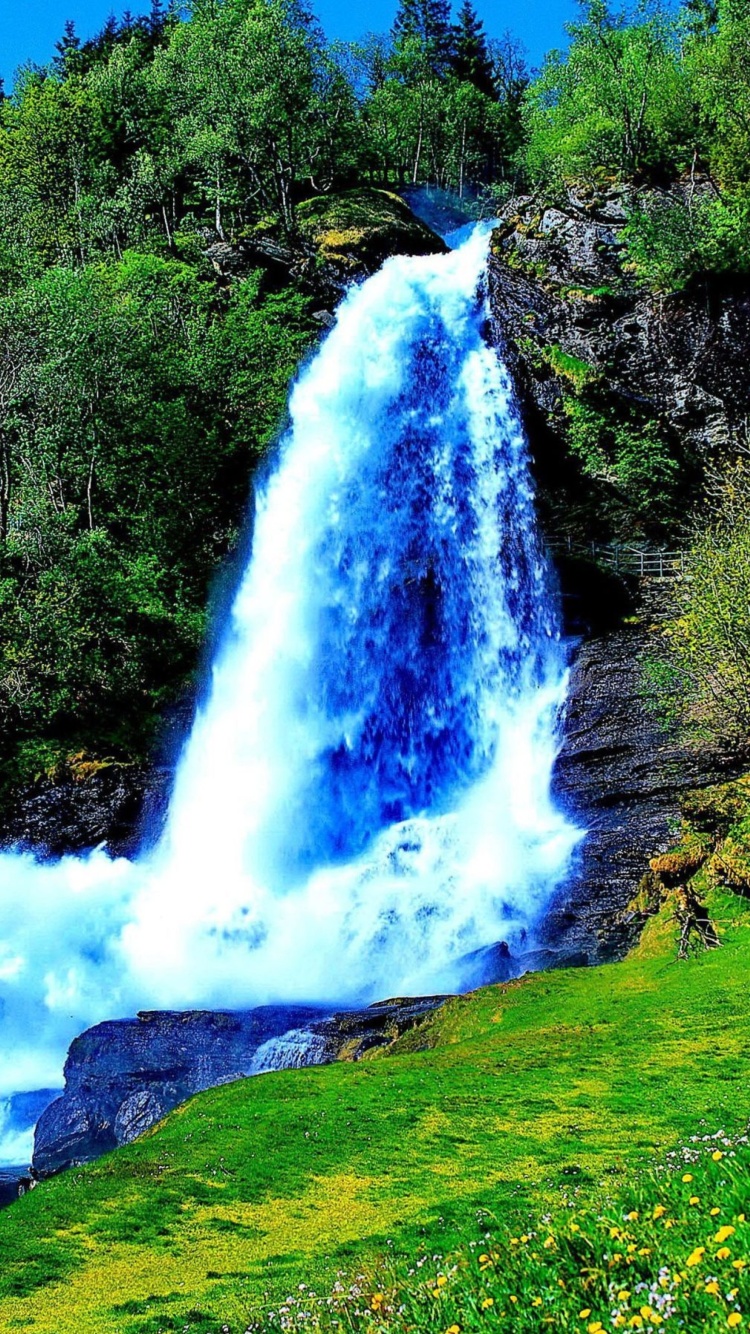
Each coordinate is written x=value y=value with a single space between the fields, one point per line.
x=618 y=103
x=709 y=643
x=624 y=450
x=672 y=238
x=134 y=403
x=524 y=1108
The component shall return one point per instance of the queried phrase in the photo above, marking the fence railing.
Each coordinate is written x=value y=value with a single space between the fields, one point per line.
x=626 y=558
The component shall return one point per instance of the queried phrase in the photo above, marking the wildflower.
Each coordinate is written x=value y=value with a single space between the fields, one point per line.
x=484 y=1259
x=713 y=1288
x=715 y=1211
x=646 y=1312
x=595 y=1327
x=487 y=1303
x=739 y=1264
x=453 y=1329
x=536 y=1301
x=717 y=1155
x=688 y=1176
x=695 y=1199
x=723 y=1233
x=724 y=1253
x=623 y=1295
x=524 y=1238
x=632 y=1217
x=734 y=1319
x=585 y=1313
x=514 y=1300
x=619 y=1320
x=636 y=1322
x=645 y=1250
x=740 y=1218
x=549 y=1243
x=659 y=1211
x=696 y=1256
x=376 y=1301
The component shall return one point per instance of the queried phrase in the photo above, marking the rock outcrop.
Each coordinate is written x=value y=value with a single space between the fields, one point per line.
x=620 y=776
x=123 y=1076
x=577 y=329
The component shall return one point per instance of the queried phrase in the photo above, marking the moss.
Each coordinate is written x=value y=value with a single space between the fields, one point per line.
x=358 y=229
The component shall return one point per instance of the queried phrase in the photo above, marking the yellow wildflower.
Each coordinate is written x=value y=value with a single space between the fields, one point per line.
x=696 y=1256
x=524 y=1239
x=632 y=1217
x=740 y=1218
x=487 y=1303
x=695 y=1199
x=574 y=1227
x=536 y=1301
x=724 y=1253
x=646 y=1312
x=441 y=1281
x=484 y=1259
x=619 y=1321
x=734 y=1319
x=723 y=1233
x=739 y=1264
x=636 y=1322
x=713 y=1288
x=623 y=1294
x=659 y=1211
x=645 y=1250
x=514 y=1300
x=585 y=1313
x=715 y=1211
x=453 y=1329
x=549 y=1243
x=595 y=1327
x=717 y=1155
x=377 y=1300
x=688 y=1176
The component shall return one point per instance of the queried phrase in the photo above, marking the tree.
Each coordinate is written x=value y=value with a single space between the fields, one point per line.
x=426 y=24
x=68 y=58
x=471 y=58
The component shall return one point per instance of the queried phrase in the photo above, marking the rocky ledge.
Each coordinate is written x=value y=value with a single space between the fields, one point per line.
x=123 y=1076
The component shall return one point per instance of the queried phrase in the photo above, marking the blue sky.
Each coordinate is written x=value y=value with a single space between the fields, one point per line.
x=30 y=28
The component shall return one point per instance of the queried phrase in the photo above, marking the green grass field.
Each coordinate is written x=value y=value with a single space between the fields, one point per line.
x=550 y=1098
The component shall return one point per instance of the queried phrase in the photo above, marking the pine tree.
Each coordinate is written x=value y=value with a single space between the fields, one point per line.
x=157 y=19
x=68 y=50
x=471 y=58
x=428 y=21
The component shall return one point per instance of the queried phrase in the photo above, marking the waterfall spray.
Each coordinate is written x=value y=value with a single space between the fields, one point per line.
x=364 y=798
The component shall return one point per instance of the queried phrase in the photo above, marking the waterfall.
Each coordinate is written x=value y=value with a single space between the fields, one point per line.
x=364 y=798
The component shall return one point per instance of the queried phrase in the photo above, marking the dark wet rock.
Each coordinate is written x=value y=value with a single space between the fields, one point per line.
x=123 y=1076
x=117 y=804
x=620 y=776
x=498 y=963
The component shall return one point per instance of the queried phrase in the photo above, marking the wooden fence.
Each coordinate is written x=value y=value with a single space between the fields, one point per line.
x=626 y=558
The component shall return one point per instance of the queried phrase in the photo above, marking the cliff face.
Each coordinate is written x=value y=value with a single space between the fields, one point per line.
x=587 y=344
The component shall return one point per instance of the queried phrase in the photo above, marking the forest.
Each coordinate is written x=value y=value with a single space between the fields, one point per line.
x=139 y=390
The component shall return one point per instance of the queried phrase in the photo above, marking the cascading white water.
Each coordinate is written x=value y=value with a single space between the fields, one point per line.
x=364 y=798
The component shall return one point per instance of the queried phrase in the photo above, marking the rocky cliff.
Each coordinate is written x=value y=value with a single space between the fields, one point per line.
x=603 y=365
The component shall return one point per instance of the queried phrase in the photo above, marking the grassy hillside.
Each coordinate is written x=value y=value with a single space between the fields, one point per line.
x=518 y=1102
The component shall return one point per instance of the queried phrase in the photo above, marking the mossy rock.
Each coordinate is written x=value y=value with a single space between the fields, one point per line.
x=679 y=865
x=714 y=810
x=357 y=230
